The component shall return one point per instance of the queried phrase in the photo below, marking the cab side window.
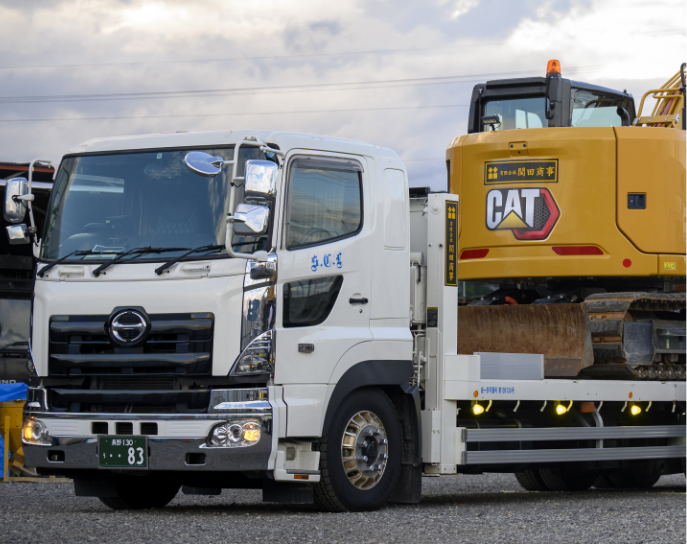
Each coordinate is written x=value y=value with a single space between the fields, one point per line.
x=324 y=203
x=309 y=302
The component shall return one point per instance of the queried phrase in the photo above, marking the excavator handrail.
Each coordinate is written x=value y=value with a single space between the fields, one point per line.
x=676 y=93
x=669 y=103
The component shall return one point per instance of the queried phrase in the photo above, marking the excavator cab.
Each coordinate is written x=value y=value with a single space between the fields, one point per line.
x=551 y=101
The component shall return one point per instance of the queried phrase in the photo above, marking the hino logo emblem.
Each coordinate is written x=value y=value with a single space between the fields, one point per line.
x=128 y=327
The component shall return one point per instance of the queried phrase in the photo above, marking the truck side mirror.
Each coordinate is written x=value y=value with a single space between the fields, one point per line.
x=260 y=179
x=251 y=219
x=16 y=195
x=18 y=234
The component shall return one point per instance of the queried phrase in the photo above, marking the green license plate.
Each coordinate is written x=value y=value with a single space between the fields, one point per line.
x=123 y=451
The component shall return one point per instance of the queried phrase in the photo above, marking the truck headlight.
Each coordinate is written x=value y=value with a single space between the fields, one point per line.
x=258 y=356
x=35 y=432
x=235 y=434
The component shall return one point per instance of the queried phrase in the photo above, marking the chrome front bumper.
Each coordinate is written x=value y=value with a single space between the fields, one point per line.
x=179 y=445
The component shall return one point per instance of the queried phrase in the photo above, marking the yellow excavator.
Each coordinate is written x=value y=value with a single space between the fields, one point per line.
x=572 y=214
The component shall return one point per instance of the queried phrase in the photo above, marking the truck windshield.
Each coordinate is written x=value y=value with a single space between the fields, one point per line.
x=112 y=203
x=591 y=108
x=516 y=113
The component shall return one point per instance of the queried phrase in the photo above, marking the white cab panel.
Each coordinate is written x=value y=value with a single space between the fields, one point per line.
x=221 y=296
x=305 y=408
x=395 y=210
x=347 y=324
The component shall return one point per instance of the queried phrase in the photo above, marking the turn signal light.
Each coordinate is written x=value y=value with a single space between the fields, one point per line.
x=553 y=69
x=635 y=410
x=477 y=409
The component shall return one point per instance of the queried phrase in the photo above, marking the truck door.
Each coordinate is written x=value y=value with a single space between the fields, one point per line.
x=324 y=256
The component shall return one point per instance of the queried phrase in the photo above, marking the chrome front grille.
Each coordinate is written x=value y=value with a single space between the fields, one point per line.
x=177 y=344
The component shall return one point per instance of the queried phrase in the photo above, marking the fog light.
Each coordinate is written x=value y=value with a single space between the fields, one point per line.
x=35 y=432
x=635 y=410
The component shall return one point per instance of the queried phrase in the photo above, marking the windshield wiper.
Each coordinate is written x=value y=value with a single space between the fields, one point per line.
x=45 y=269
x=141 y=250
x=163 y=268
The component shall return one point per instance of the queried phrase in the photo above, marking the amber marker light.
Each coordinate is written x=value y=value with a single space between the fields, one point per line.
x=553 y=69
x=478 y=409
x=562 y=409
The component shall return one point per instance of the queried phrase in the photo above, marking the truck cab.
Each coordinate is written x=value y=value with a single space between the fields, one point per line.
x=17 y=264
x=204 y=294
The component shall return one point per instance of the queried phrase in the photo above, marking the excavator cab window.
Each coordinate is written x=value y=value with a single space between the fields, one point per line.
x=529 y=103
x=592 y=108
x=516 y=113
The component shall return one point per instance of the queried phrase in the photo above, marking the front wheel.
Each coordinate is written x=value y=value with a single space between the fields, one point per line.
x=148 y=492
x=360 y=457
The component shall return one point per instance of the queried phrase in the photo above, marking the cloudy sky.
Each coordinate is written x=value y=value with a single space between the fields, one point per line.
x=397 y=74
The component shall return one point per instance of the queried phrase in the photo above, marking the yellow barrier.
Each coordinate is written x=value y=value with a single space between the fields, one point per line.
x=14 y=470
x=10 y=428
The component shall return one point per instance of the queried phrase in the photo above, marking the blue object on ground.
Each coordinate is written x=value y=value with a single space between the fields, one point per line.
x=10 y=392
x=2 y=458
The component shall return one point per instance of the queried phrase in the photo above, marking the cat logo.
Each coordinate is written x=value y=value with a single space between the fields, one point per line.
x=530 y=213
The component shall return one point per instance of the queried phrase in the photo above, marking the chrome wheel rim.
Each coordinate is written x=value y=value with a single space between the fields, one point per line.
x=364 y=450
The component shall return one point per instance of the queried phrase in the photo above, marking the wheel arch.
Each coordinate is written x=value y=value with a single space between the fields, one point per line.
x=391 y=376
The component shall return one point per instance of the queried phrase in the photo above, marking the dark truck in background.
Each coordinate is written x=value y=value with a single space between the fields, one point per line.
x=17 y=264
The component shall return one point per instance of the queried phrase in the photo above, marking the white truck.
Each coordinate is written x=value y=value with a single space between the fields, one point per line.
x=245 y=309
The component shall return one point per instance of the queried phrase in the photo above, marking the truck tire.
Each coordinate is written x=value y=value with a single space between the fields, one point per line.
x=560 y=480
x=603 y=481
x=360 y=456
x=635 y=479
x=149 y=492
x=531 y=480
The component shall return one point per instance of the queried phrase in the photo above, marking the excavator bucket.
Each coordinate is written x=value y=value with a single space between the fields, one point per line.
x=560 y=332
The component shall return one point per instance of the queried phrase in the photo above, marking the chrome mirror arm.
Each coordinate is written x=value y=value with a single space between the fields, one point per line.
x=257 y=256
x=29 y=201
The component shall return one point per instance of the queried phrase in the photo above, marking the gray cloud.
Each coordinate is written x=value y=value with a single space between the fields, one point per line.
x=487 y=37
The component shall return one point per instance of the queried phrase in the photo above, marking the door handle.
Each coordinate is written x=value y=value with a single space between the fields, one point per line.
x=358 y=300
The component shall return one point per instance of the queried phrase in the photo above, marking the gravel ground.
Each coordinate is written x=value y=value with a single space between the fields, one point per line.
x=461 y=509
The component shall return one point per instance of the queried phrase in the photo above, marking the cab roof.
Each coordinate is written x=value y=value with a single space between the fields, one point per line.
x=284 y=140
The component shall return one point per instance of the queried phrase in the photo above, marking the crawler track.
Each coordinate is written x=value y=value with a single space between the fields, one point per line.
x=629 y=335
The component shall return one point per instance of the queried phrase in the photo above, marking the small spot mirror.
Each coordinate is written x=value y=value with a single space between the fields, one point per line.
x=251 y=219
x=261 y=179
x=204 y=163
x=15 y=206
x=18 y=234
